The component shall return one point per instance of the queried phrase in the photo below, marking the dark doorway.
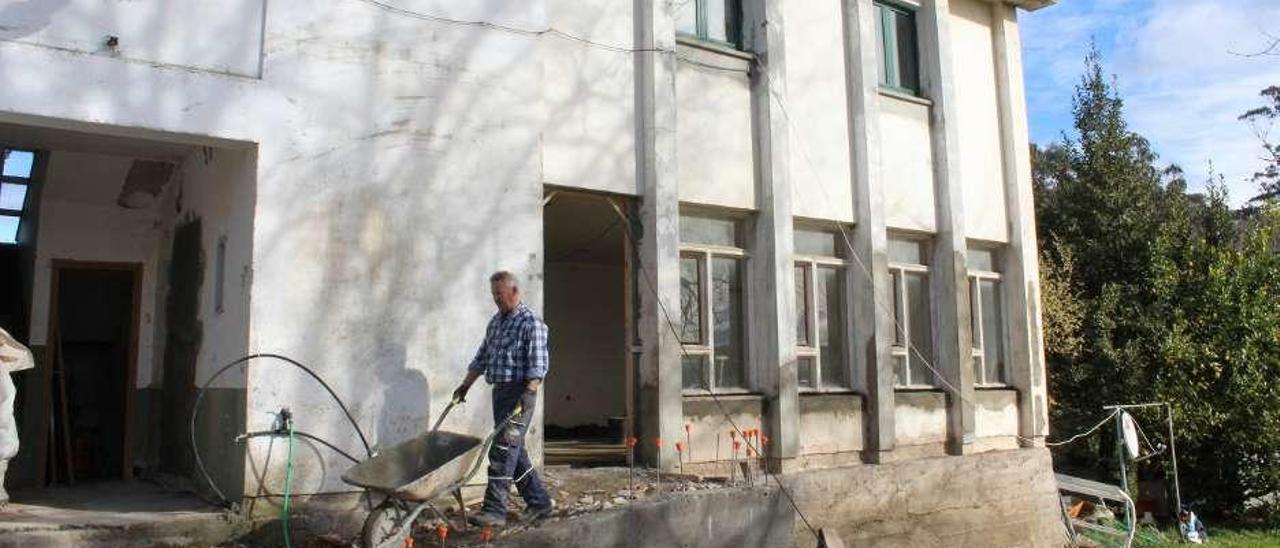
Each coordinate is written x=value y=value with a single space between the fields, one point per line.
x=588 y=309
x=94 y=333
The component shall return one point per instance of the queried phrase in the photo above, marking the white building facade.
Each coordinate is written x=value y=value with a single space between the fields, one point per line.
x=813 y=217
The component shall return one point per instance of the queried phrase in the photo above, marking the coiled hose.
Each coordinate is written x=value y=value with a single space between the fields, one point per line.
x=195 y=412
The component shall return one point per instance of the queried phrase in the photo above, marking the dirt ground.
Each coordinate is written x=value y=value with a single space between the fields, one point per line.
x=575 y=491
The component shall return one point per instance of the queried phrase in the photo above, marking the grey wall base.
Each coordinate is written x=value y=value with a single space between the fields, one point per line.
x=995 y=499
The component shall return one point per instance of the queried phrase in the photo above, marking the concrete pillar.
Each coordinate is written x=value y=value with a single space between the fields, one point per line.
x=1020 y=261
x=870 y=286
x=773 y=344
x=659 y=395
x=948 y=274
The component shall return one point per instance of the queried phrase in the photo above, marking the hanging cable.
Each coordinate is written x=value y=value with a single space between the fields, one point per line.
x=675 y=332
x=195 y=412
x=1085 y=433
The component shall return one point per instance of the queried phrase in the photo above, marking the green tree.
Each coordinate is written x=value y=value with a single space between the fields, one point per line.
x=1099 y=203
x=1154 y=294
x=1261 y=120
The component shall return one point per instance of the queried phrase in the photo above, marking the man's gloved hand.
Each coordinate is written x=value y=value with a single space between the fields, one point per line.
x=460 y=395
x=527 y=400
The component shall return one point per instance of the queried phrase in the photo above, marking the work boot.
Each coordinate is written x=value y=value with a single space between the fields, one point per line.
x=485 y=519
x=533 y=514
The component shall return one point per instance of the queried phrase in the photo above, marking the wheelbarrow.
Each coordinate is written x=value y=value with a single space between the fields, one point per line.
x=416 y=472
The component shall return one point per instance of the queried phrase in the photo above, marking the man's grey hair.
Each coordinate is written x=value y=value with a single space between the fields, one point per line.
x=506 y=277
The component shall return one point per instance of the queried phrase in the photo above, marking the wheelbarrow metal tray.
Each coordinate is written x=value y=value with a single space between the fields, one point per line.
x=419 y=469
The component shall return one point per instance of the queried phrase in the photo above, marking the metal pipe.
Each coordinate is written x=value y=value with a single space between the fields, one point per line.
x=1173 y=454
x=1134 y=405
x=1124 y=476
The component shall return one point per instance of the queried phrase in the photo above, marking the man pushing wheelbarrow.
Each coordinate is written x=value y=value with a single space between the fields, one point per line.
x=411 y=474
x=514 y=359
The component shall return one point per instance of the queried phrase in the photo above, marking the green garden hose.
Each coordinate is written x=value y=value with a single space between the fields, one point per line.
x=288 y=484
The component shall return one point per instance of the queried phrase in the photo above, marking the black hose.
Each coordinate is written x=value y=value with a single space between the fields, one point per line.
x=195 y=411
x=300 y=434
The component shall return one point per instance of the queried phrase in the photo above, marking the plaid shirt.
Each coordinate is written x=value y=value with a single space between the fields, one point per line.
x=514 y=348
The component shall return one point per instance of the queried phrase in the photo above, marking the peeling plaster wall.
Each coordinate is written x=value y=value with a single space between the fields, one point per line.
x=981 y=159
x=373 y=128
x=714 y=136
x=214 y=35
x=590 y=93
x=907 y=165
x=817 y=111
x=830 y=424
x=920 y=418
x=709 y=428
x=996 y=414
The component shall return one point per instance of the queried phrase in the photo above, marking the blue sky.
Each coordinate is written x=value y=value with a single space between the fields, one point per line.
x=1179 y=67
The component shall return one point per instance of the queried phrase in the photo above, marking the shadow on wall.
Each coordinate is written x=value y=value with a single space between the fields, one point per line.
x=406 y=398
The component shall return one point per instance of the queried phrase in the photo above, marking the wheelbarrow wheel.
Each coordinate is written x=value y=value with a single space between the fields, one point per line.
x=384 y=526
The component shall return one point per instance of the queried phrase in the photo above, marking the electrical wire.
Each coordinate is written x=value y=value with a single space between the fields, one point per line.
x=705 y=381
x=544 y=31
x=195 y=412
x=1085 y=433
x=885 y=307
x=300 y=434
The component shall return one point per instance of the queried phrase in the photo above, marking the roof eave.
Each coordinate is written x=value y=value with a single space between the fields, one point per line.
x=1032 y=5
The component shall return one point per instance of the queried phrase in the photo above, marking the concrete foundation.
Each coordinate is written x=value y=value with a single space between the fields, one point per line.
x=1004 y=498
x=997 y=499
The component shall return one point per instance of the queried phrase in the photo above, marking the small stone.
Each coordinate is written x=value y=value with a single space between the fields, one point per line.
x=619 y=500
x=606 y=506
x=586 y=499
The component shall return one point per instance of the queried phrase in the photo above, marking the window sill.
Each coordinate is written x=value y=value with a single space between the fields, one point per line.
x=993 y=387
x=737 y=395
x=904 y=96
x=714 y=47
x=805 y=392
x=919 y=389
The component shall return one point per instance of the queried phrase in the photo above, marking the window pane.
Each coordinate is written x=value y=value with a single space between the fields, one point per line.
x=721 y=23
x=687 y=17
x=726 y=303
x=908 y=65
x=8 y=229
x=693 y=372
x=921 y=329
x=690 y=301
x=710 y=231
x=899 y=326
x=992 y=331
x=976 y=361
x=982 y=259
x=802 y=306
x=975 y=314
x=815 y=242
x=12 y=196
x=881 y=15
x=907 y=252
x=805 y=371
x=900 y=370
x=831 y=327
x=18 y=163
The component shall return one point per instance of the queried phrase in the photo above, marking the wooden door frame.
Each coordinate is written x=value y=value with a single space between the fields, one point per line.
x=131 y=365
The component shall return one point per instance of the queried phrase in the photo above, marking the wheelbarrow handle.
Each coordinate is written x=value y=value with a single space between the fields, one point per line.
x=445 y=413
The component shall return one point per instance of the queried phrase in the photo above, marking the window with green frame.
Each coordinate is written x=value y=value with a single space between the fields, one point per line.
x=718 y=21
x=899 y=52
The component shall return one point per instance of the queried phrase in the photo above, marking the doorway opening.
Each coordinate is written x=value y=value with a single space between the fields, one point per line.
x=588 y=307
x=93 y=329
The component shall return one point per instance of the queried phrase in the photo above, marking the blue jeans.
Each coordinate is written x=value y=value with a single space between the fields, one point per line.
x=508 y=458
